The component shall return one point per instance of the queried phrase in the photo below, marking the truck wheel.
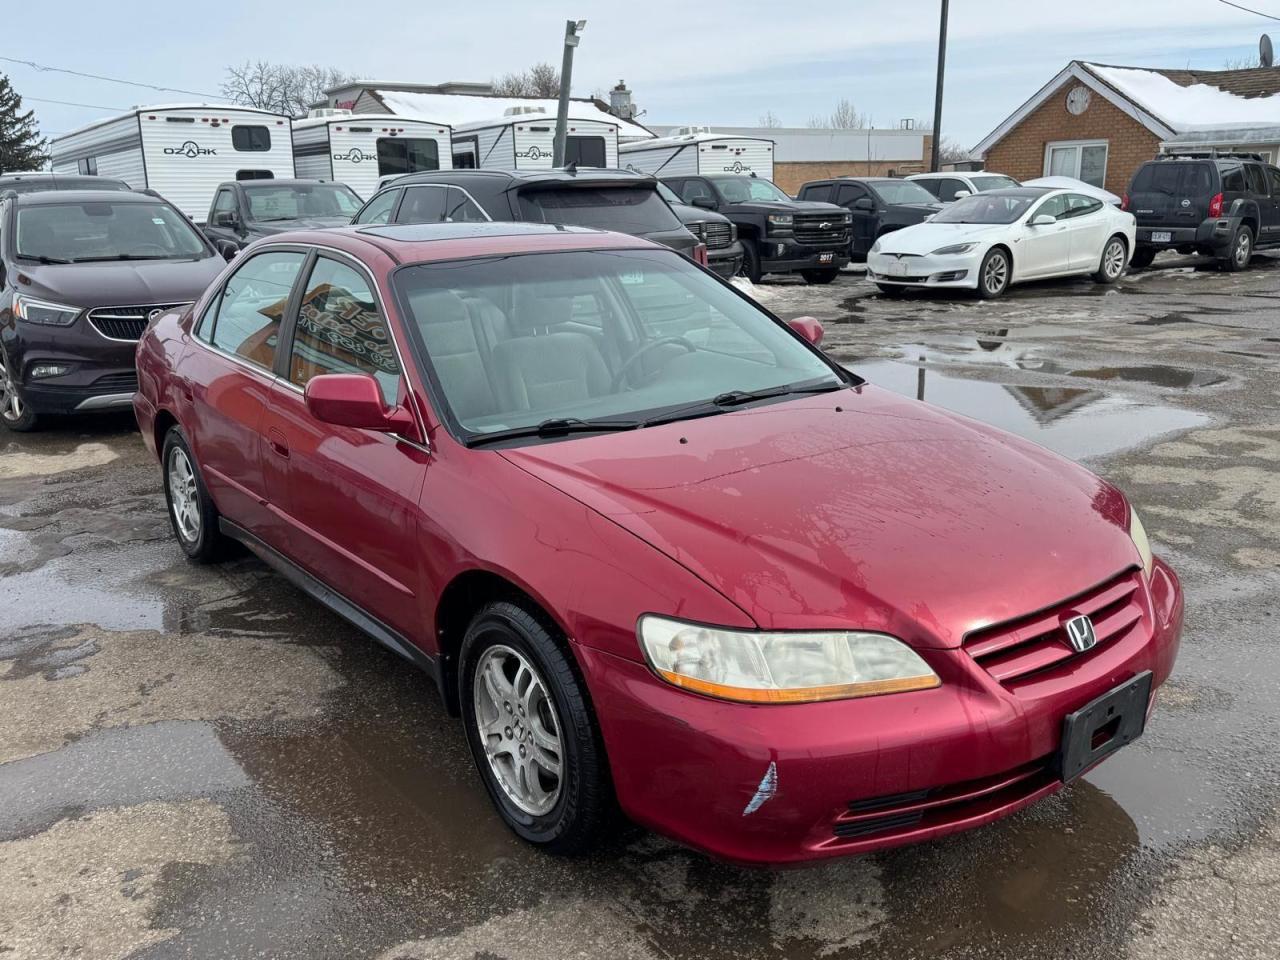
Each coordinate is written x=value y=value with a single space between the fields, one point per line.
x=15 y=413
x=750 y=261
x=820 y=276
x=1142 y=257
x=1241 y=250
x=1111 y=265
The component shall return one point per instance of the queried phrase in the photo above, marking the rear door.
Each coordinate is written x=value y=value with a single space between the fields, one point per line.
x=1255 y=178
x=1273 y=181
x=1172 y=193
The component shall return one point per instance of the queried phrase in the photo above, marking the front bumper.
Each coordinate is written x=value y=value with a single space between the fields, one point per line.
x=782 y=784
x=925 y=271
x=101 y=374
x=782 y=254
x=1212 y=236
x=725 y=261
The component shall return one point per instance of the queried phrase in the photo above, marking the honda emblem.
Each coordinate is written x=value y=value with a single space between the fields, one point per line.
x=1080 y=634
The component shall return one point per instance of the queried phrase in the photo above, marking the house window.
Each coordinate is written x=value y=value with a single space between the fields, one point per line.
x=1083 y=159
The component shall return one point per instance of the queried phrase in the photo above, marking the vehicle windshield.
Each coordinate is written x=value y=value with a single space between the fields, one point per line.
x=295 y=201
x=990 y=182
x=746 y=189
x=631 y=209
x=619 y=336
x=986 y=208
x=104 y=230
x=902 y=191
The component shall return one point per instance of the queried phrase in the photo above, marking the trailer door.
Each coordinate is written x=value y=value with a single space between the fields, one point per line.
x=398 y=155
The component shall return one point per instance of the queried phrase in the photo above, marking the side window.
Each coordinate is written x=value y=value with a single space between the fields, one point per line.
x=422 y=205
x=693 y=189
x=1233 y=180
x=1274 y=176
x=932 y=184
x=1054 y=207
x=460 y=208
x=378 y=210
x=1079 y=205
x=819 y=191
x=224 y=203
x=247 y=322
x=848 y=193
x=251 y=139
x=341 y=331
x=949 y=187
x=1257 y=179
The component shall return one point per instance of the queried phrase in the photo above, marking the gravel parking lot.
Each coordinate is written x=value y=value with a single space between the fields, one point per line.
x=201 y=762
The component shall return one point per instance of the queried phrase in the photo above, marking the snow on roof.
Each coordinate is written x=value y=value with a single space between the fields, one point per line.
x=704 y=137
x=458 y=109
x=359 y=119
x=1187 y=107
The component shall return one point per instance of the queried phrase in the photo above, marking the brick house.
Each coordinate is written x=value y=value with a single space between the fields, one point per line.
x=1099 y=122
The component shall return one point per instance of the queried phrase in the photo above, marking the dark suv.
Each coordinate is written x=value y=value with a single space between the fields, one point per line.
x=615 y=200
x=878 y=205
x=1224 y=205
x=82 y=273
x=779 y=235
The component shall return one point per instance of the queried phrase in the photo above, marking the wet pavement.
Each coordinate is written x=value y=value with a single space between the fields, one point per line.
x=201 y=762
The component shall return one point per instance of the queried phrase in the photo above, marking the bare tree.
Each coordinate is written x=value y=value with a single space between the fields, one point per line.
x=951 y=151
x=845 y=116
x=770 y=120
x=283 y=88
x=1241 y=63
x=540 y=80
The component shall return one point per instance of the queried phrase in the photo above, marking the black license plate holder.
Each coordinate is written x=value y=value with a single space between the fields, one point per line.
x=1103 y=726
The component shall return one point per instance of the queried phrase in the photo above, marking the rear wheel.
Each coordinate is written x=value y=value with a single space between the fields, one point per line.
x=751 y=261
x=192 y=514
x=1111 y=266
x=1142 y=257
x=1241 y=250
x=820 y=276
x=14 y=411
x=993 y=275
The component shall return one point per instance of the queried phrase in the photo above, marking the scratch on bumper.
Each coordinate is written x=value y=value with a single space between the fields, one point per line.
x=765 y=792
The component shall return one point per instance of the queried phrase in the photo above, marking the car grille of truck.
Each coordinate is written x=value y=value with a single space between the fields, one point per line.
x=717 y=236
x=811 y=230
x=1017 y=650
x=125 y=323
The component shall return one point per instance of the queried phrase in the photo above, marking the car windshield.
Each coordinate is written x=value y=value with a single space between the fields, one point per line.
x=902 y=191
x=619 y=336
x=746 y=189
x=631 y=209
x=993 y=182
x=104 y=230
x=294 y=201
x=986 y=208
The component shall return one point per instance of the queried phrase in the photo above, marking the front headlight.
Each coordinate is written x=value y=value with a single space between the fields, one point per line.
x=954 y=248
x=848 y=218
x=42 y=312
x=800 y=667
x=875 y=247
x=781 y=219
x=1139 y=534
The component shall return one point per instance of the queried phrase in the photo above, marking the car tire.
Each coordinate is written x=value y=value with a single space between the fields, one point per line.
x=1241 y=251
x=820 y=276
x=15 y=414
x=994 y=274
x=751 y=261
x=891 y=290
x=514 y=736
x=1112 y=262
x=192 y=514
x=1142 y=257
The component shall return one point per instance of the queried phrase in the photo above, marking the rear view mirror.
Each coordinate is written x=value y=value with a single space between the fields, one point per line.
x=355 y=400
x=706 y=203
x=807 y=327
x=864 y=203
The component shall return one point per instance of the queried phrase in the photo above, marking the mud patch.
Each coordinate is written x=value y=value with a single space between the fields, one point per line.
x=20 y=463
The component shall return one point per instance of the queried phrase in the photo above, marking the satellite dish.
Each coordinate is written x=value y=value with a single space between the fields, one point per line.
x=1266 y=55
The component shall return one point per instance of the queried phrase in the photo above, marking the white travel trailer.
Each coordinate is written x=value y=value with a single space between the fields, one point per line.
x=522 y=139
x=696 y=150
x=358 y=150
x=182 y=151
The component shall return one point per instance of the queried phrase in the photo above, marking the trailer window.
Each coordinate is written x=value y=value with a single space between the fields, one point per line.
x=255 y=175
x=397 y=156
x=585 y=151
x=88 y=166
x=251 y=139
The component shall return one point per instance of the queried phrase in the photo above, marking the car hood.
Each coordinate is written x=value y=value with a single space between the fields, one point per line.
x=923 y=238
x=259 y=228
x=116 y=283
x=789 y=206
x=889 y=515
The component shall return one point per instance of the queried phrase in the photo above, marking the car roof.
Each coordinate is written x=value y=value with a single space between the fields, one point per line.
x=560 y=175
x=286 y=182
x=37 y=197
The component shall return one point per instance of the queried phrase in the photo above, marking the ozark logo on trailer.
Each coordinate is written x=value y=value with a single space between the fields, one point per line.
x=355 y=155
x=533 y=153
x=190 y=149
x=738 y=167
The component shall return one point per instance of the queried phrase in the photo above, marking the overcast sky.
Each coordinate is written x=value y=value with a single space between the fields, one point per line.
x=704 y=62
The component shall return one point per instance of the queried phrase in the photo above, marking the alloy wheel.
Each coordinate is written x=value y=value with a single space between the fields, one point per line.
x=11 y=407
x=184 y=498
x=1113 y=259
x=518 y=728
x=1244 y=248
x=995 y=274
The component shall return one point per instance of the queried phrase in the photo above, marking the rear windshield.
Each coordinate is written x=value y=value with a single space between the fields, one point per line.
x=994 y=183
x=102 y=230
x=986 y=208
x=634 y=210
x=1173 y=177
x=902 y=191
x=292 y=201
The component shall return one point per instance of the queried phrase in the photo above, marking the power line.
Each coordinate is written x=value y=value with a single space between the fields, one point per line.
x=1258 y=13
x=69 y=103
x=45 y=68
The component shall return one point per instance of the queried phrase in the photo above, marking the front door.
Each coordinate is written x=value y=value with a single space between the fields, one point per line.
x=1044 y=250
x=348 y=495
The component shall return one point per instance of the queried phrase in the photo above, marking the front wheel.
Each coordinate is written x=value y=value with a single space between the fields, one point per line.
x=15 y=413
x=993 y=275
x=1111 y=265
x=751 y=261
x=825 y=275
x=1241 y=250
x=531 y=731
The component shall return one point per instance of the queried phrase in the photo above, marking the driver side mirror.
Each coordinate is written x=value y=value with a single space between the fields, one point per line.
x=961 y=194
x=706 y=203
x=1043 y=220
x=228 y=249
x=809 y=328
x=227 y=218
x=864 y=203
x=355 y=400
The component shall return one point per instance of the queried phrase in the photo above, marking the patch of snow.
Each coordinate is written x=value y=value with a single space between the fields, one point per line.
x=1199 y=105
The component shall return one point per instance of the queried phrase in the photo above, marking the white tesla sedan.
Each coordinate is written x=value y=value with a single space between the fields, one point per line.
x=989 y=240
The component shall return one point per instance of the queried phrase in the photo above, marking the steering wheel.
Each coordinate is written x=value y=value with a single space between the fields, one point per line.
x=647 y=348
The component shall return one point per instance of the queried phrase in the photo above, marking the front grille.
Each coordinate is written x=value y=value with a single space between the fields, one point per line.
x=126 y=323
x=820 y=230
x=124 y=382
x=716 y=235
x=1015 y=650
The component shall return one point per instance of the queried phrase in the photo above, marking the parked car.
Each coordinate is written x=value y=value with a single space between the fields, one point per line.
x=778 y=234
x=42 y=180
x=991 y=240
x=878 y=205
x=244 y=210
x=603 y=499
x=717 y=233
x=605 y=199
x=949 y=186
x=81 y=274
x=1223 y=206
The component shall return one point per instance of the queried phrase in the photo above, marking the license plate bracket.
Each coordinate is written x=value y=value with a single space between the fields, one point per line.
x=826 y=257
x=1103 y=726
x=897 y=269
x=1161 y=236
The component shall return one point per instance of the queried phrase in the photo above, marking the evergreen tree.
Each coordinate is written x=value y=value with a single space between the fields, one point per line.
x=21 y=146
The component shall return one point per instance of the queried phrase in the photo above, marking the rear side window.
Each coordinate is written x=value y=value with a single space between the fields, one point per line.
x=625 y=209
x=1233 y=180
x=247 y=322
x=1079 y=205
x=948 y=189
x=932 y=185
x=1274 y=176
x=819 y=191
x=849 y=192
x=251 y=139
x=378 y=210
x=1256 y=179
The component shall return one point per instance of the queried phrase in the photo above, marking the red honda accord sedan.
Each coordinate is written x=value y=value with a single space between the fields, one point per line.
x=654 y=547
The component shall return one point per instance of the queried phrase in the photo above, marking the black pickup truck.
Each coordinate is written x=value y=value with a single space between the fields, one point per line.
x=778 y=234
x=244 y=210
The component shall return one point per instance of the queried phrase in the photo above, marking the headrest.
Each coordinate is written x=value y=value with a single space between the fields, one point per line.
x=438 y=306
x=535 y=312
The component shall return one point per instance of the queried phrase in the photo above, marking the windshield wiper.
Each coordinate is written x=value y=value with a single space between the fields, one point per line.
x=120 y=256
x=556 y=427
x=734 y=398
x=40 y=258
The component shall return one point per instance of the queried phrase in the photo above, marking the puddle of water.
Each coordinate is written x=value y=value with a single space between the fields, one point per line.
x=1072 y=421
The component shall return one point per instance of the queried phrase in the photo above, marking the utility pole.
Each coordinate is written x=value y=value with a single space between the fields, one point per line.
x=937 y=95
x=571 y=30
